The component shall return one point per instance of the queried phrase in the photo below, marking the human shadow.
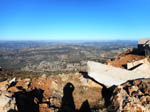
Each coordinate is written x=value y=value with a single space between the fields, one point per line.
x=12 y=110
x=28 y=101
x=68 y=104
x=85 y=107
x=106 y=92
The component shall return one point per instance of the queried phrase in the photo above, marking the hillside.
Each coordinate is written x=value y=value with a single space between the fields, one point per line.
x=57 y=56
x=73 y=92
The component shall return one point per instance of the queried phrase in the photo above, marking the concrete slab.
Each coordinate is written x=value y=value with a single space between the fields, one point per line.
x=144 y=68
x=135 y=63
x=110 y=76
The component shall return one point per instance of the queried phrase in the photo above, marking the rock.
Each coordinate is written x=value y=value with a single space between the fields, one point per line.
x=132 y=96
x=3 y=85
x=44 y=76
x=45 y=94
x=7 y=102
x=21 y=83
x=44 y=84
x=89 y=82
x=12 y=81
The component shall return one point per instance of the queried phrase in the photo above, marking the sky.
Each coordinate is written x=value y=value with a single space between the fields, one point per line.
x=74 y=19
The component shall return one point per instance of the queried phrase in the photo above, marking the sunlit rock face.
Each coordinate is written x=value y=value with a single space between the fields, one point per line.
x=7 y=101
x=110 y=76
x=54 y=93
x=132 y=96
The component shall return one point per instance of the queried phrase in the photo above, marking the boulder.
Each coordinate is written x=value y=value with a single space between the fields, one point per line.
x=7 y=101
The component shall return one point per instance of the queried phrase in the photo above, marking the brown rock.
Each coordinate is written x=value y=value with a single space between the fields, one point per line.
x=131 y=96
x=47 y=93
x=44 y=84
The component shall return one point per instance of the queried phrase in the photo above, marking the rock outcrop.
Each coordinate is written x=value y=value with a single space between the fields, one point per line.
x=132 y=96
x=123 y=58
x=54 y=93
x=73 y=93
x=7 y=101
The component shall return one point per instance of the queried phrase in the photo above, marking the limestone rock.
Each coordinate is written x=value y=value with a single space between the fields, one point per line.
x=7 y=102
x=132 y=96
x=46 y=94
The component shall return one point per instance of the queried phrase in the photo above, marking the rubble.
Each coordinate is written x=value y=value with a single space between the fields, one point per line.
x=47 y=94
x=122 y=59
x=82 y=92
x=132 y=96
x=131 y=92
x=7 y=101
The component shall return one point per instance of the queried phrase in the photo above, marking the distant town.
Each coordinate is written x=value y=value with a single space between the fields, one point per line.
x=42 y=56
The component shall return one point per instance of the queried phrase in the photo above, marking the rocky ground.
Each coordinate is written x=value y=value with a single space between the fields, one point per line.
x=132 y=96
x=125 y=57
x=75 y=92
x=61 y=93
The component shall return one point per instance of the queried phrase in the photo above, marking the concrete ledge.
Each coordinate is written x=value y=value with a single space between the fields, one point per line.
x=135 y=63
x=110 y=76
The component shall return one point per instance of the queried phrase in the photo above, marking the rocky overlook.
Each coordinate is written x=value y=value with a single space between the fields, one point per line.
x=80 y=91
x=73 y=93
x=61 y=93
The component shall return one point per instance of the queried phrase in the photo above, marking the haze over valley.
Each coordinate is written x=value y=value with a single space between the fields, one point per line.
x=42 y=56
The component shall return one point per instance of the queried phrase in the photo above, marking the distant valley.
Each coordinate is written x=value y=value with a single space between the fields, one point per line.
x=60 y=56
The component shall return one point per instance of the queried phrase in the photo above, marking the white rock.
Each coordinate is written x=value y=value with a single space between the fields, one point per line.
x=7 y=103
x=13 y=80
x=4 y=88
x=44 y=75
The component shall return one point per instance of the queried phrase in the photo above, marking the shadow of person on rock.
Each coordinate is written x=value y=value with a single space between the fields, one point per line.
x=28 y=101
x=67 y=104
x=12 y=110
x=106 y=92
x=85 y=107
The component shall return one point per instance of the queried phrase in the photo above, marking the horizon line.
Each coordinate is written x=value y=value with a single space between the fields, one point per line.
x=79 y=40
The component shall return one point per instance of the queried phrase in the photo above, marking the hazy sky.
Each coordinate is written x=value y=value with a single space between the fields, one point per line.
x=74 y=19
